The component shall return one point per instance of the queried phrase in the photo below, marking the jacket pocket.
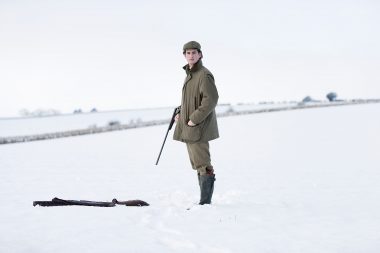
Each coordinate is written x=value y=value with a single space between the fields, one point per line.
x=192 y=134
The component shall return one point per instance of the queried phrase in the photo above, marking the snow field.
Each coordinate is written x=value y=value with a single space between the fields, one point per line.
x=297 y=181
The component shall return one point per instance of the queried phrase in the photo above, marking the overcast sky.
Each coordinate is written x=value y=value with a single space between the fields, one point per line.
x=128 y=54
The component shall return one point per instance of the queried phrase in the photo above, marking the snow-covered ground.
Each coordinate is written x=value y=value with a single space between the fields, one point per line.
x=294 y=181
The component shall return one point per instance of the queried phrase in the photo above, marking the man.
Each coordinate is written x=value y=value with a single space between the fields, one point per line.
x=196 y=123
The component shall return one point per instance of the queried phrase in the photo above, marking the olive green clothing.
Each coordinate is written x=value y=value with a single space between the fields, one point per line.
x=199 y=154
x=199 y=99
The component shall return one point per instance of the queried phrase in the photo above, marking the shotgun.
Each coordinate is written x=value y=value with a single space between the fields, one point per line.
x=176 y=111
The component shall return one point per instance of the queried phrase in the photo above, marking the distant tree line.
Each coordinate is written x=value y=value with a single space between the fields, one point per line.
x=39 y=112
x=80 y=110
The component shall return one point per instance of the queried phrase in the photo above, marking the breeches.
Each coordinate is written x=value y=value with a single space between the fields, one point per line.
x=199 y=154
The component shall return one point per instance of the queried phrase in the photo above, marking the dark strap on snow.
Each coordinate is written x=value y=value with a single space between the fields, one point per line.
x=65 y=202
x=83 y=203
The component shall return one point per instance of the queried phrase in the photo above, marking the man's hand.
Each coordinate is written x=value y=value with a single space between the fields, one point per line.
x=190 y=123
x=176 y=118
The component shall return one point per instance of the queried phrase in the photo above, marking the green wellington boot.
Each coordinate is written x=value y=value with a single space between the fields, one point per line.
x=206 y=183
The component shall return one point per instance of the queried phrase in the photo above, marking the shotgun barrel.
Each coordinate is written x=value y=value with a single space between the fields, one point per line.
x=176 y=111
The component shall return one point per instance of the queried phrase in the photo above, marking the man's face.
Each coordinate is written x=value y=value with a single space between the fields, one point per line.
x=192 y=56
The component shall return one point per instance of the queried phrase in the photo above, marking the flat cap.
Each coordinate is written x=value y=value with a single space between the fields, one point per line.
x=192 y=45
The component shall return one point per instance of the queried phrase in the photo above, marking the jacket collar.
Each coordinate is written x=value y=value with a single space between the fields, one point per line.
x=195 y=68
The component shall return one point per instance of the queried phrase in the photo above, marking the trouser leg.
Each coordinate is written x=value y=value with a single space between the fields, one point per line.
x=200 y=160
x=199 y=154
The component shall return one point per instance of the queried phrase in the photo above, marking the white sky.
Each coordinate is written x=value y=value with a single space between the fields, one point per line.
x=128 y=54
